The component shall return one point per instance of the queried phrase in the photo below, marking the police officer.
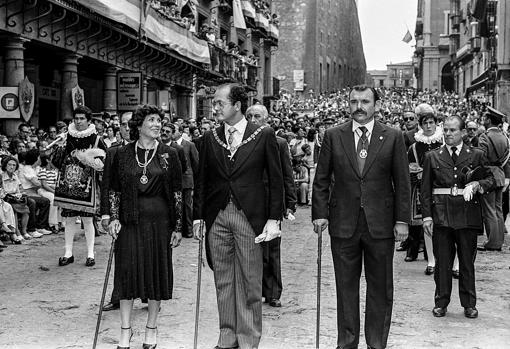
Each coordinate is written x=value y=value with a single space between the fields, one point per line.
x=454 y=176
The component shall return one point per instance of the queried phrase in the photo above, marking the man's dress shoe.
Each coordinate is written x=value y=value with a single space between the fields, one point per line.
x=471 y=313
x=275 y=303
x=429 y=270
x=111 y=306
x=439 y=312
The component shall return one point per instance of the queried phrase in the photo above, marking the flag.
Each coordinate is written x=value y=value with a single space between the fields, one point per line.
x=408 y=37
x=238 y=15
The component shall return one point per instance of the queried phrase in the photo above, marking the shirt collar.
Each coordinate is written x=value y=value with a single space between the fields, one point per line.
x=369 y=126
x=459 y=148
x=6 y=177
x=179 y=141
x=240 y=126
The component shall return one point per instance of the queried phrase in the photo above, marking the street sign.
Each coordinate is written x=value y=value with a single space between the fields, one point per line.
x=129 y=90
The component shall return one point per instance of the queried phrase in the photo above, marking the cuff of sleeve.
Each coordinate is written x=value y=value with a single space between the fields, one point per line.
x=426 y=219
x=197 y=221
x=402 y=222
x=105 y=216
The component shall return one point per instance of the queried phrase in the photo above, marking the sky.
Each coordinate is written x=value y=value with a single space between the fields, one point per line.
x=383 y=26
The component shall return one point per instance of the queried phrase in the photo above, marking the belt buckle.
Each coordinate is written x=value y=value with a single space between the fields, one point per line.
x=454 y=191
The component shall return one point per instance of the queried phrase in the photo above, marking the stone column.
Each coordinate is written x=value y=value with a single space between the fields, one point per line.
x=249 y=43
x=145 y=85
x=427 y=31
x=262 y=69
x=110 y=90
x=14 y=73
x=503 y=58
x=233 y=31
x=69 y=81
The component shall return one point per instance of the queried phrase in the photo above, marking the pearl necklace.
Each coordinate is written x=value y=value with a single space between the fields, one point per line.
x=144 y=179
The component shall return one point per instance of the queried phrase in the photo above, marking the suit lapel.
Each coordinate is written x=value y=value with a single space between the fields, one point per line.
x=244 y=151
x=376 y=141
x=445 y=157
x=347 y=139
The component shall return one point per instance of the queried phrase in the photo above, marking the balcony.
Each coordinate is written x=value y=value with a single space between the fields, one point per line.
x=228 y=67
x=444 y=41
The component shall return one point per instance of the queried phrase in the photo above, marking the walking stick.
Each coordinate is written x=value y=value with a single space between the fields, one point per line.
x=199 y=282
x=319 y=265
x=105 y=286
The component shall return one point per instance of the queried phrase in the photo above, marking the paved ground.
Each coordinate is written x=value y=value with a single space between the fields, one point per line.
x=46 y=306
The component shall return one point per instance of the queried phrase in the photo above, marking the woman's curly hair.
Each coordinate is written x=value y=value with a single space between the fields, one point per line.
x=139 y=115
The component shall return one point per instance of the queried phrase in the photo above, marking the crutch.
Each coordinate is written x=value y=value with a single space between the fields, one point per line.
x=319 y=266
x=105 y=286
x=199 y=282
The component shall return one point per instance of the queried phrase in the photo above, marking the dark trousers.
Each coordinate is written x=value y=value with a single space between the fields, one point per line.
x=272 y=273
x=415 y=237
x=39 y=208
x=377 y=256
x=187 y=212
x=445 y=242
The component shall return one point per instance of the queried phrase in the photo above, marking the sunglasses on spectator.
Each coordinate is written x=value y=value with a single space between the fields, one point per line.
x=472 y=128
x=166 y=131
x=409 y=119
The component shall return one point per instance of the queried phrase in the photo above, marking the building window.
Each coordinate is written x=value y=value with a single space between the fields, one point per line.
x=381 y=83
x=394 y=83
x=320 y=77
x=406 y=82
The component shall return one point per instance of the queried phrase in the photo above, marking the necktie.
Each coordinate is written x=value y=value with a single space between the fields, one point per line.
x=454 y=154
x=362 y=148
x=230 y=139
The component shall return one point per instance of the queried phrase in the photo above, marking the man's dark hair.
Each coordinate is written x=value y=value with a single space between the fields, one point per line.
x=139 y=115
x=83 y=110
x=426 y=116
x=30 y=157
x=495 y=119
x=23 y=124
x=361 y=88
x=462 y=123
x=236 y=94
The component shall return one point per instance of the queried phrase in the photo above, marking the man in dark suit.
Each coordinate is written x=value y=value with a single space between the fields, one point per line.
x=231 y=198
x=411 y=125
x=471 y=138
x=272 y=273
x=191 y=153
x=105 y=188
x=362 y=191
x=452 y=213
x=496 y=148
x=166 y=138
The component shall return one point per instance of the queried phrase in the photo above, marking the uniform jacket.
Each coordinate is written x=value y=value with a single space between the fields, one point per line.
x=495 y=147
x=439 y=171
x=383 y=190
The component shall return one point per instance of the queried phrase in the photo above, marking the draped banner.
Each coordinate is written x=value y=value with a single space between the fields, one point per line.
x=238 y=14
x=165 y=31
x=126 y=12
x=248 y=9
x=275 y=32
x=262 y=21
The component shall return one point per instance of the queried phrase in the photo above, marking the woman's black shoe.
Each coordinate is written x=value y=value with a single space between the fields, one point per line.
x=410 y=259
x=90 y=262
x=65 y=260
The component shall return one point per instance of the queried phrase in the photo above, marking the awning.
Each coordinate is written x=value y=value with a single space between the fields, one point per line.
x=126 y=12
x=476 y=86
x=248 y=9
x=480 y=77
x=165 y=31
x=275 y=32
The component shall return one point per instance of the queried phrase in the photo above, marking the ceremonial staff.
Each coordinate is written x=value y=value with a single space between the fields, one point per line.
x=199 y=282
x=319 y=266
x=105 y=286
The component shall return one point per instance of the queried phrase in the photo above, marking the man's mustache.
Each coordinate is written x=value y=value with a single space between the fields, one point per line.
x=360 y=111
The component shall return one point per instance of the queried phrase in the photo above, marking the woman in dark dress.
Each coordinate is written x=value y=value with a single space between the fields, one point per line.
x=146 y=209
x=427 y=138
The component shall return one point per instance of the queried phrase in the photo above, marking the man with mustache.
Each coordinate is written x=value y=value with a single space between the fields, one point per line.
x=362 y=190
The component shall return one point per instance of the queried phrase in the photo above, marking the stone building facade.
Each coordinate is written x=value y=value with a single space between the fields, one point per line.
x=60 y=45
x=320 y=46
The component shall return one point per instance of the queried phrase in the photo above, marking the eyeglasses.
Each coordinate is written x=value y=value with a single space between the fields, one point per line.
x=472 y=128
x=166 y=131
x=408 y=119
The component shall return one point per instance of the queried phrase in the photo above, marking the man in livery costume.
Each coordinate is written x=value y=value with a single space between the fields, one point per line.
x=77 y=192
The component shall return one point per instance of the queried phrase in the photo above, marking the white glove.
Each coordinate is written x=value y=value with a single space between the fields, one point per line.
x=271 y=231
x=468 y=192
x=291 y=217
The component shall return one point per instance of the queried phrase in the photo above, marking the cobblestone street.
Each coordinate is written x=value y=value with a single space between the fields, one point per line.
x=46 y=306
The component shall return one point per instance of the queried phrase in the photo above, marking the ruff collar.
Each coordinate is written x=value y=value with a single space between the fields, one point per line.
x=435 y=138
x=73 y=132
